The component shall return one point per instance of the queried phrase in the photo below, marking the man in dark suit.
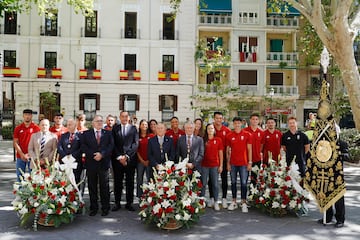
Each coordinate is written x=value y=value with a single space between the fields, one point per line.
x=69 y=144
x=191 y=147
x=160 y=147
x=124 y=161
x=97 y=144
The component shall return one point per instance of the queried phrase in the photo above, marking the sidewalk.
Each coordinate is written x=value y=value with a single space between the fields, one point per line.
x=212 y=225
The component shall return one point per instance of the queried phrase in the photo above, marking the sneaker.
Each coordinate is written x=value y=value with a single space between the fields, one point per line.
x=224 y=203
x=216 y=206
x=232 y=206
x=210 y=203
x=244 y=208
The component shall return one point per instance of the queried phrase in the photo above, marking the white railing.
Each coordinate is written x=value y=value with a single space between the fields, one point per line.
x=290 y=58
x=212 y=89
x=283 y=22
x=214 y=20
x=248 y=18
x=282 y=90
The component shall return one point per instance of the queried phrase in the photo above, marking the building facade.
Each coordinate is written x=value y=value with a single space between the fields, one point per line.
x=128 y=56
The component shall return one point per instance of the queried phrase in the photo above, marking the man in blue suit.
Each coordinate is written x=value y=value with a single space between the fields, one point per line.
x=97 y=144
x=69 y=144
x=191 y=147
x=160 y=147
x=124 y=160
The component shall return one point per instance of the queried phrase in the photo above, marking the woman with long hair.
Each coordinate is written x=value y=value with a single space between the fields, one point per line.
x=212 y=163
x=143 y=161
x=199 y=127
x=152 y=126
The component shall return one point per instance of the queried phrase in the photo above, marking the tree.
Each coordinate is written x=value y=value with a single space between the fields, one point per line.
x=336 y=23
x=83 y=6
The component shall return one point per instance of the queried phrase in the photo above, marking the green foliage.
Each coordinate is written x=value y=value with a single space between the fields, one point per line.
x=7 y=132
x=352 y=137
x=341 y=105
x=84 y=7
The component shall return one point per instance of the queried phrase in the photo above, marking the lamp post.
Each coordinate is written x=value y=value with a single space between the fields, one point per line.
x=271 y=93
x=57 y=86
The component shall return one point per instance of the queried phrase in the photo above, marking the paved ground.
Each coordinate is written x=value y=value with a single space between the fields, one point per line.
x=212 y=225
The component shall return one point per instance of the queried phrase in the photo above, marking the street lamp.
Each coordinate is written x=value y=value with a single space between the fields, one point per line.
x=57 y=86
x=271 y=93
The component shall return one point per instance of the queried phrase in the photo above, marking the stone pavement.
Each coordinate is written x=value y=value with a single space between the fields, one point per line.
x=212 y=225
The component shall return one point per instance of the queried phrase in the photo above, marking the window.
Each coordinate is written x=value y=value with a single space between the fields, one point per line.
x=130 y=25
x=10 y=22
x=214 y=43
x=9 y=58
x=276 y=78
x=168 y=63
x=90 y=61
x=129 y=103
x=89 y=103
x=247 y=77
x=130 y=61
x=91 y=25
x=167 y=105
x=49 y=104
x=50 y=63
x=276 y=45
x=248 y=44
x=168 y=27
x=51 y=19
x=212 y=76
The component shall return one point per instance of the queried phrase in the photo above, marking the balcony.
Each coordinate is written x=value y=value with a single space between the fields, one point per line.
x=283 y=22
x=213 y=89
x=280 y=90
x=49 y=73
x=130 y=75
x=168 y=76
x=44 y=32
x=285 y=58
x=11 y=72
x=248 y=18
x=90 y=74
x=214 y=20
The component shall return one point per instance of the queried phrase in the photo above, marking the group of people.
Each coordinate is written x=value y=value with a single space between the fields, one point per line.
x=127 y=149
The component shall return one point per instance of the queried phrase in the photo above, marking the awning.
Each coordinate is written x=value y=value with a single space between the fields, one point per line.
x=291 y=11
x=215 y=6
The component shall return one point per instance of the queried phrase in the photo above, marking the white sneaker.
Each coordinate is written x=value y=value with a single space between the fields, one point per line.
x=232 y=206
x=210 y=203
x=216 y=206
x=244 y=208
x=224 y=203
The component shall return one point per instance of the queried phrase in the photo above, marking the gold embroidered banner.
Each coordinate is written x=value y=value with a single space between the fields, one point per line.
x=324 y=177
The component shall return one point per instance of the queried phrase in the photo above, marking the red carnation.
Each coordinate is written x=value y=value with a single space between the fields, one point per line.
x=34 y=185
x=59 y=204
x=173 y=197
x=287 y=178
x=169 y=210
x=58 y=211
x=199 y=184
x=42 y=187
x=189 y=171
x=182 y=183
x=63 y=183
x=272 y=193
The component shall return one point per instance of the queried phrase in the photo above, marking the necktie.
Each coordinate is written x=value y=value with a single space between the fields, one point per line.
x=71 y=139
x=42 y=146
x=98 y=136
x=123 y=130
x=188 y=143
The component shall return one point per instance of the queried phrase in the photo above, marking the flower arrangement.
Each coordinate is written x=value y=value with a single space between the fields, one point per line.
x=277 y=190
x=172 y=196
x=47 y=193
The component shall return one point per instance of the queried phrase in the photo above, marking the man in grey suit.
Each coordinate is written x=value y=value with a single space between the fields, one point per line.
x=42 y=145
x=190 y=146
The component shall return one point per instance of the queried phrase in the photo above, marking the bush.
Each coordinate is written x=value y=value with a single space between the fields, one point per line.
x=7 y=132
x=352 y=137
